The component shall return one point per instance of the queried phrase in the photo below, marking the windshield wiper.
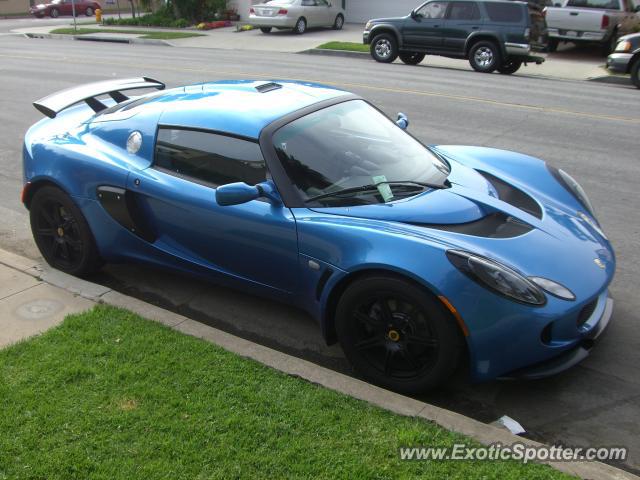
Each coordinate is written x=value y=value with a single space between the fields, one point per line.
x=371 y=187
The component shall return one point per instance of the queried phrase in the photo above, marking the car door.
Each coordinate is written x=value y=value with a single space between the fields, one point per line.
x=311 y=12
x=254 y=241
x=462 y=19
x=65 y=7
x=325 y=13
x=423 y=30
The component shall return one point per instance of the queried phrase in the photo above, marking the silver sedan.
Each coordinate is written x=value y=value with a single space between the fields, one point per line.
x=296 y=14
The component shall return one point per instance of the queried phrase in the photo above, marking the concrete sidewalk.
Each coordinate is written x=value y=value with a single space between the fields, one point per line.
x=34 y=298
x=570 y=63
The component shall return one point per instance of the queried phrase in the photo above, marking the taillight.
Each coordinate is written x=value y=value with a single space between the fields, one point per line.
x=544 y=12
x=605 y=22
x=527 y=33
x=25 y=193
x=283 y=11
x=251 y=10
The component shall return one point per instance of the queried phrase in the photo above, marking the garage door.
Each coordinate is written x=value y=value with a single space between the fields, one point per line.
x=362 y=10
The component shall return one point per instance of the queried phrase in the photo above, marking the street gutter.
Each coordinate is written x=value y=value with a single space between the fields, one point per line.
x=483 y=433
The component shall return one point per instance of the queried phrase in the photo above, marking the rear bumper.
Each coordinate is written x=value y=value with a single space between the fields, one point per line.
x=576 y=36
x=524 y=51
x=570 y=357
x=277 y=22
x=619 y=62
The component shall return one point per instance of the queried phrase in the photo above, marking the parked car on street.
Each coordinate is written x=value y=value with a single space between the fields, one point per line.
x=297 y=15
x=492 y=35
x=412 y=257
x=64 y=7
x=591 y=21
x=626 y=57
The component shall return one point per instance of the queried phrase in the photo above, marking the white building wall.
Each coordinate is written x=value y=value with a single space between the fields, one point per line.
x=359 y=11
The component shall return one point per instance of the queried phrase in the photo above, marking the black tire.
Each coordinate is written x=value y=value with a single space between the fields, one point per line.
x=265 y=29
x=338 y=23
x=484 y=56
x=409 y=346
x=552 y=45
x=89 y=12
x=610 y=46
x=635 y=73
x=412 y=58
x=509 y=66
x=54 y=13
x=301 y=26
x=61 y=232
x=384 y=48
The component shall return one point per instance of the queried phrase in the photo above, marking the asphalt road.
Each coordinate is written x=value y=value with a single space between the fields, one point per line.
x=591 y=130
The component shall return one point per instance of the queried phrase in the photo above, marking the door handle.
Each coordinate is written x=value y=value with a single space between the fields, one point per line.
x=573 y=13
x=475 y=28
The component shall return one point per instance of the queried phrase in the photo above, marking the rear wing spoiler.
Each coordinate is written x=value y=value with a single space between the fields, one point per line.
x=53 y=104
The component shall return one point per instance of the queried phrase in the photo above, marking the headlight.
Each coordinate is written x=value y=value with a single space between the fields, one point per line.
x=574 y=187
x=497 y=277
x=554 y=288
x=367 y=27
x=623 y=46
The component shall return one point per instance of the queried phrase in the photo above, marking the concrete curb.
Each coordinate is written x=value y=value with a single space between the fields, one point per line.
x=91 y=38
x=485 y=434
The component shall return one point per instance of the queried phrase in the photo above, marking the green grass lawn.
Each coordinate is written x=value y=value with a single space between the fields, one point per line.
x=109 y=395
x=144 y=33
x=349 y=46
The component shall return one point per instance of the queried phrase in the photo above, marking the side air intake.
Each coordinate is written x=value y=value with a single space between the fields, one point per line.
x=513 y=196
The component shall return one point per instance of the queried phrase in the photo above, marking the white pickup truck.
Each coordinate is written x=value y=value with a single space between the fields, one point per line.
x=599 y=21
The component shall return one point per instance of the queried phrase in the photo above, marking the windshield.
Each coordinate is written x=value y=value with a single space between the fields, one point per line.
x=351 y=145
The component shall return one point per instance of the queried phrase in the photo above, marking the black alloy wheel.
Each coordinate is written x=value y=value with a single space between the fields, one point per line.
x=397 y=335
x=62 y=233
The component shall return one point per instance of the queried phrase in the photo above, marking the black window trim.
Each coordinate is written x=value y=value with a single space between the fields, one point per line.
x=221 y=133
x=476 y=10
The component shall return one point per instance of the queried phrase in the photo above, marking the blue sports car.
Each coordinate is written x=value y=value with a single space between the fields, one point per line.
x=415 y=258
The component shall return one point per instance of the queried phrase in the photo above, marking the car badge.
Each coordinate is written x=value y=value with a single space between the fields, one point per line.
x=599 y=263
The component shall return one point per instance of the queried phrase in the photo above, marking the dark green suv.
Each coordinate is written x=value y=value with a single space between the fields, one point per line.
x=491 y=34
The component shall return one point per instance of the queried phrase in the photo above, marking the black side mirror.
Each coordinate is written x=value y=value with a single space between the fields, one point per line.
x=415 y=15
x=637 y=9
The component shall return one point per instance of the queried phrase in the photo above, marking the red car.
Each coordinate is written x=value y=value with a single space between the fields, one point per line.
x=64 y=7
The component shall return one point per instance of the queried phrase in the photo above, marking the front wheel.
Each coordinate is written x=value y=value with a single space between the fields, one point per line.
x=510 y=66
x=265 y=29
x=54 y=13
x=635 y=73
x=484 y=57
x=301 y=26
x=61 y=232
x=338 y=22
x=412 y=58
x=396 y=334
x=384 y=48
x=89 y=12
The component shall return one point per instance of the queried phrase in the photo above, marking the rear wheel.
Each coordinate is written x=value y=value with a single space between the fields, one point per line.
x=384 y=48
x=635 y=73
x=62 y=233
x=338 y=22
x=54 y=13
x=396 y=334
x=509 y=66
x=265 y=29
x=412 y=58
x=301 y=26
x=552 y=46
x=484 y=57
x=610 y=46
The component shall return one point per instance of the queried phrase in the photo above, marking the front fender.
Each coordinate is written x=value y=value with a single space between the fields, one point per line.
x=385 y=27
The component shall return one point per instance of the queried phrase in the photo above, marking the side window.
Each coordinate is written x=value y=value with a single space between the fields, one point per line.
x=308 y=3
x=322 y=3
x=209 y=158
x=463 y=11
x=435 y=9
x=504 y=12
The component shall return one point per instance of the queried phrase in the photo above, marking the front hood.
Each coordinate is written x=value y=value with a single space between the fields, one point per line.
x=552 y=242
x=464 y=202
